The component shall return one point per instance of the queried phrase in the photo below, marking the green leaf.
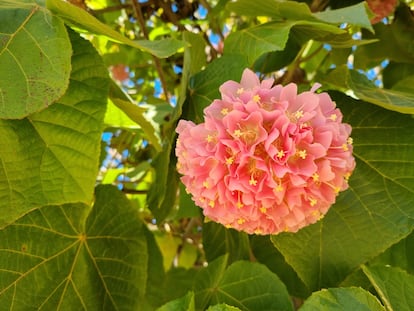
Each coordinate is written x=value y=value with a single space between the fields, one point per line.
x=185 y=303
x=177 y=283
x=345 y=79
x=355 y=15
x=245 y=285
x=204 y=86
x=194 y=60
x=35 y=53
x=395 y=42
x=376 y=212
x=265 y=253
x=339 y=299
x=393 y=285
x=155 y=273
x=399 y=255
x=162 y=195
x=394 y=72
x=52 y=156
x=218 y=241
x=222 y=307
x=293 y=10
x=77 y=257
x=134 y=113
x=81 y=19
x=272 y=36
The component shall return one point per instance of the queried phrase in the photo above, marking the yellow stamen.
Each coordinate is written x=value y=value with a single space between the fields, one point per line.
x=229 y=161
x=240 y=91
x=315 y=177
x=279 y=188
x=239 y=204
x=211 y=203
x=313 y=201
x=252 y=181
x=280 y=154
x=256 y=98
x=333 y=117
x=224 y=111
x=302 y=154
x=345 y=147
x=349 y=141
x=263 y=209
x=241 y=221
x=298 y=114
x=206 y=184
x=237 y=133
x=209 y=138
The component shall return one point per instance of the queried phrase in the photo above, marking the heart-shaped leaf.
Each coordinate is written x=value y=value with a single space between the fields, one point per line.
x=74 y=257
x=52 y=156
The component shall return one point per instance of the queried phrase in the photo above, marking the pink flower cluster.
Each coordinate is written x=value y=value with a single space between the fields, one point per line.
x=266 y=159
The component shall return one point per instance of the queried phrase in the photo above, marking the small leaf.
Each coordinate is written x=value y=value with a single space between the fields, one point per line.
x=273 y=36
x=194 y=60
x=52 y=156
x=134 y=113
x=185 y=303
x=97 y=261
x=245 y=285
x=355 y=15
x=81 y=19
x=339 y=299
x=222 y=307
x=393 y=285
x=375 y=212
x=35 y=55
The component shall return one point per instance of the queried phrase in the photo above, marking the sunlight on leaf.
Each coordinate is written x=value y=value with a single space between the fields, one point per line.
x=83 y=20
x=339 y=299
x=52 y=156
x=35 y=56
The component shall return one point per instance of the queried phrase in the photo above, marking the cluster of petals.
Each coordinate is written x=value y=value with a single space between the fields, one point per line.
x=381 y=9
x=266 y=159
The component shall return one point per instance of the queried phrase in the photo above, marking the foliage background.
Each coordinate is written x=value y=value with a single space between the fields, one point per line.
x=93 y=215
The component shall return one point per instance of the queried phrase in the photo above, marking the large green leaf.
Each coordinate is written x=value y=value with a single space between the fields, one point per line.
x=81 y=19
x=218 y=241
x=394 y=286
x=376 y=212
x=245 y=285
x=339 y=299
x=35 y=54
x=52 y=156
x=345 y=79
x=73 y=257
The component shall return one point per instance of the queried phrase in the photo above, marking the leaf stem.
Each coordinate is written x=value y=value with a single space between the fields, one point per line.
x=140 y=18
